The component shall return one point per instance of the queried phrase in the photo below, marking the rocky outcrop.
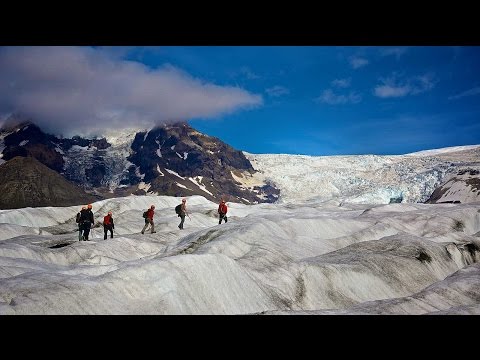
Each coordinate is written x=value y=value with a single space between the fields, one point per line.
x=461 y=188
x=26 y=182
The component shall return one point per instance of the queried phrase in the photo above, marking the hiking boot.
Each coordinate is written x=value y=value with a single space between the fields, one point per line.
x=141 y=232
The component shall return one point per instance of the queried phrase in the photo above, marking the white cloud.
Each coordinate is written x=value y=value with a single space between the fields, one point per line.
x=358 y=62
x=277 y=90
x=329 y=97
x=393 y=87
x=342 y=83
x=470 y=92
x=86 y=90
x=385 y=91
x=395 y=51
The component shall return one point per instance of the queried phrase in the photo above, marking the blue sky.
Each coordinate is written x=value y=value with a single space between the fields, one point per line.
x=340 y=100
x=316 y=100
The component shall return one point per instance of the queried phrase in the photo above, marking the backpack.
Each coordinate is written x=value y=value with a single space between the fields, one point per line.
x=78 y=218
x=106 y=220
x=222 y=209
x=178 y=209
x=145 y=214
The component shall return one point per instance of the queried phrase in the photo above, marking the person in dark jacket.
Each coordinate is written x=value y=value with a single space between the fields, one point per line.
x=86 y=221
x=79 y=215
x=108 y=225
x=222 y=212
x=149 y=220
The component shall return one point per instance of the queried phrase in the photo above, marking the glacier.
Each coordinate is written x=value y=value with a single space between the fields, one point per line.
x=366 y=179
x=312 y=256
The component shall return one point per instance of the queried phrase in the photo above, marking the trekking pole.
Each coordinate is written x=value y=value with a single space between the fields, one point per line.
x=189 y=217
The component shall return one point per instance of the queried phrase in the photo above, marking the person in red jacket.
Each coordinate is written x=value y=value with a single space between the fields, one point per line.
x=149 y=220
x=108 y=225
x=222 y=212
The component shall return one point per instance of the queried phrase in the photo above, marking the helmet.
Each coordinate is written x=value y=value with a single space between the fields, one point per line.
x=89 y=206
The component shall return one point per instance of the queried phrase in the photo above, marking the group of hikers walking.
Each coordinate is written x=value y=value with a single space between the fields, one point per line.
x=86 y=221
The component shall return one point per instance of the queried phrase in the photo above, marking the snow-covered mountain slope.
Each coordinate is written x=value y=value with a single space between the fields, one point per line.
x=104 y=167
x=269 y=258
x=364 y=178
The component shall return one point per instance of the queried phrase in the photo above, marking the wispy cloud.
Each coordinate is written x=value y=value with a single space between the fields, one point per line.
x=470 y=92
x=277 y=90
x=358 y=62
x=395 y=87
x=248 y=73
x=329 y=97
x=395 y=51
x=85 y=90
x=342 y=83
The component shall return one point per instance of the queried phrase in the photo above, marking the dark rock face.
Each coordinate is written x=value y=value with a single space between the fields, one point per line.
x=190 y=154
x=171 y=160
x=186 y=151
x=25 y=182
x=26 y=139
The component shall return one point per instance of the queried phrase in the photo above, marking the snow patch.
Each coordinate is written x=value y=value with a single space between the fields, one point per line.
x=172 y=147
x=198 y=181
x=121 y=137
x=2 y=147
x=159 y=150
x=249 y=181
x=137 y=172
x=160 y=171
x=184 y=157
x=174 y=173
x=433 y=152
x=22 y=143
x=144 y=186
x=80 y=148
x=181 y=185
x=145 y=137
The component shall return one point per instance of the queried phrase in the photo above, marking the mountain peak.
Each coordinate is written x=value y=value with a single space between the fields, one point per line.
x=168 y=159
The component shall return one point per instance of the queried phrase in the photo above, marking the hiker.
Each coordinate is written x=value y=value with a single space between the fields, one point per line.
x=86 y=221
x=77 y=219
x=108 y=225
x=182 y=213
x=148 y=215
x=222 y=212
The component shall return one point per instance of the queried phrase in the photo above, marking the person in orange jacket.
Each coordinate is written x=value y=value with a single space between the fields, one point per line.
x=108 y=225
x=222 y=212
x=149 y=220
